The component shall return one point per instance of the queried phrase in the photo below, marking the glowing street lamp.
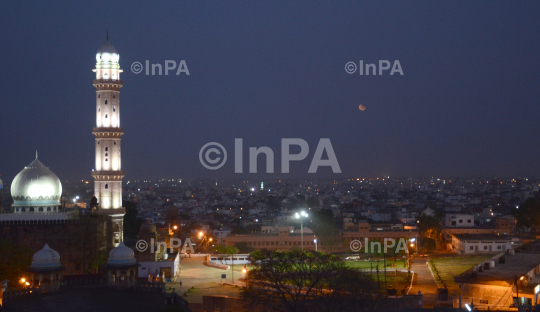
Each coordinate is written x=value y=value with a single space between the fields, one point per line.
x=301 y=216
x=315 y=241
x=175 y=227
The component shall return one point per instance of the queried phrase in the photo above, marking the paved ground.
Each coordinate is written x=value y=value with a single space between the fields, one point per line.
x=205 y=280
x=424 y=282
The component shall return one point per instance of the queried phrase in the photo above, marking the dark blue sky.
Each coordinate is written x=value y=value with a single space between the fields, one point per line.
x=467 y=105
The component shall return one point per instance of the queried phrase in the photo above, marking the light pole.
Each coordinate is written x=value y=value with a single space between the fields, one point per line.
x=315 y=241
x=301 y=216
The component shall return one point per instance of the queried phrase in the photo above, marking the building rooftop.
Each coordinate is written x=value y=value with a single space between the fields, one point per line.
x=503 y=274
x=484 y=237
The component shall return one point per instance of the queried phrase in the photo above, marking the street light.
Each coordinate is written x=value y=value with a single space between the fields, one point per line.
x=301 y=216
x=315 y=241
x=175 y=227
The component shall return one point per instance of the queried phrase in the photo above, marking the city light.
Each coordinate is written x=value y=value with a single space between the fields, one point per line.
x=175 y=227
x=468 y=307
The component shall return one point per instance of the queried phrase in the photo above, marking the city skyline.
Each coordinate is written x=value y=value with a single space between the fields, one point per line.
x=465 y=106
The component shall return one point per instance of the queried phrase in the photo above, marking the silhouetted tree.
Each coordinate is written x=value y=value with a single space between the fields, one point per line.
x=131 y=223
x=528 y=214
x=306 y=281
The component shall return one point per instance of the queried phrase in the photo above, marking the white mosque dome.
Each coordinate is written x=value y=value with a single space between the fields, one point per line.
x=36 y=185
x=46 y=258
x=121 y=255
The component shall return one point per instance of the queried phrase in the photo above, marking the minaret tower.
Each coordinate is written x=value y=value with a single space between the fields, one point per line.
x=108 y=172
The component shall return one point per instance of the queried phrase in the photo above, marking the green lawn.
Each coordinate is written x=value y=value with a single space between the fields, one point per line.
x=367 y=264
x=452 y=266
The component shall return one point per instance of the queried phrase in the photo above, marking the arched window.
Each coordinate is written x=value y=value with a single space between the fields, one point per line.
x=106 y=185
x=105 y=102
x=106 y=116
x=106 y=149
x=48 y=208
x=106 y=154
x=99 y=95
x=114 y=142
x=114 y=95
x=99 y=109
x=106 y=159
x=40 y=208
x=98 y=142
x=23 y=209
x=114 y=109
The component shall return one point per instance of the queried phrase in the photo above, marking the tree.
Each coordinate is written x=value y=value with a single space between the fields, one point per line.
x=306 y=281
x=430 y=226
x=528 y=214
x=131 y=223
x=326 y=230
x=428 y=244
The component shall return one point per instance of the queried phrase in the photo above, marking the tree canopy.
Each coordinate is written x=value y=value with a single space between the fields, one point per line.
x=306 y=281
x=528 y=214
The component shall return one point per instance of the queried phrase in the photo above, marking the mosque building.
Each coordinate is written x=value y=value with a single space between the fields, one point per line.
x=37 y=191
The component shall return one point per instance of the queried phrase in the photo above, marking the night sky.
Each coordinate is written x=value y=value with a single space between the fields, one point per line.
x=467 y=104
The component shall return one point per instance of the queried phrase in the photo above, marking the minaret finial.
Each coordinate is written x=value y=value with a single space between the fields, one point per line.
x=36 y=154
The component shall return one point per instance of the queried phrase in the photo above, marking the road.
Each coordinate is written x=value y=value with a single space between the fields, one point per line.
x=206 y=280
x=424 y=282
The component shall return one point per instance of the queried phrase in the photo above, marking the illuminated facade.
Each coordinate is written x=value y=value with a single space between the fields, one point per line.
x=36 y=190
x=108 y=172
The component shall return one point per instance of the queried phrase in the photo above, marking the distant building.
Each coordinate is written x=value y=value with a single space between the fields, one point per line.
x=459 y=220
x=483 y=243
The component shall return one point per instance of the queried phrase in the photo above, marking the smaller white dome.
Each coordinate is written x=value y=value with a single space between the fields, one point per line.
x=121 y=255
x=46 y=258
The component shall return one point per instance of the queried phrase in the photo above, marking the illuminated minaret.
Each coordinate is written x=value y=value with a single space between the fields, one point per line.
x=108 y=172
